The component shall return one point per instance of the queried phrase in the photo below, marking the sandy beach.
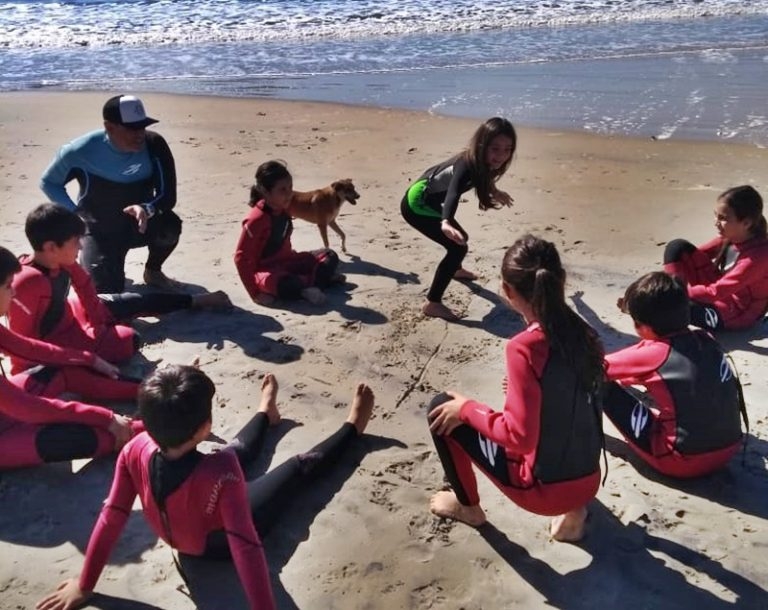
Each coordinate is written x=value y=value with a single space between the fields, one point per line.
x=364 y=539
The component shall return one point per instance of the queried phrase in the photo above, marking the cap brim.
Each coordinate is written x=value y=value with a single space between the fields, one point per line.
x=140 y=124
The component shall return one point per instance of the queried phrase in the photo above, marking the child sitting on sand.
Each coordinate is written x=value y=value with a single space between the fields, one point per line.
x=727 y=278
x=686 y=423
x=201 y=504
x=542 y=451
x=44 y=309
x=268 y=265
x=35 y=427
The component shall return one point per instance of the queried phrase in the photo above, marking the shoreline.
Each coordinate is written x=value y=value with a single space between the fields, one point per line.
x=608 y=202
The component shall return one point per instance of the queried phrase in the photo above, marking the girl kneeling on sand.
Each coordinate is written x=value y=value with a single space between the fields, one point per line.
x=430 y=203
x=727 y=277
x=267 y=263
x=542 y=451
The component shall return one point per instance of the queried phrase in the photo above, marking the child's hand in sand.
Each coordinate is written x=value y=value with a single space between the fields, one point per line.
x=621 y=305
x=105 y=368
x=121 y=429
x=445 y=418
x=503 y=198
x=68 y=595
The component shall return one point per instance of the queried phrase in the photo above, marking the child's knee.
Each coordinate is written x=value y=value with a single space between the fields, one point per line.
x=438 y=400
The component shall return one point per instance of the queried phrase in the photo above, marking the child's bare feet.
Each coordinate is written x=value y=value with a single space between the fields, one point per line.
x=438 y=310
x=570 y=526
x=314 y=295
x=268 y=402
x=212 y=300
x=361 y=408
x=464 y=274
x=445 y=504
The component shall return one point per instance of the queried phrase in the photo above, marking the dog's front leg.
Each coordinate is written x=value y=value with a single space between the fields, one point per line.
x=340 y=233
x=324 y=234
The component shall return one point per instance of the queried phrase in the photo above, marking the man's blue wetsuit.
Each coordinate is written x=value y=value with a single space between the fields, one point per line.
x=110 y=180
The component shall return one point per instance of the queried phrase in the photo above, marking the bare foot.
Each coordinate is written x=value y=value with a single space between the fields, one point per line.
x=268 y=402
x=438 y=310
x=570 y=526
x=314 y=295
x=464 y=274
x=361 y=408
x=158 y=279
x=212 y=300
x=445 y=504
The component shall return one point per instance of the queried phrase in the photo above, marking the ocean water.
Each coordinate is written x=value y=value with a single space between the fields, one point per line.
x=661 y=68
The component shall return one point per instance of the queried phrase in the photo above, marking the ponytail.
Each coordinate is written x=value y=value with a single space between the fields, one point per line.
x=532 y=266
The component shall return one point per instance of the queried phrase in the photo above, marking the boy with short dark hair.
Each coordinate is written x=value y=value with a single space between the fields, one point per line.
x=201 y=504
x=686 y=422
x=44 y=309
x=36 y=427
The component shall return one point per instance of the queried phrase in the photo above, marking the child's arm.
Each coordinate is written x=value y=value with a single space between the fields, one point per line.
x=25 y=407
x=33 y=297
x=517 y=426
x=72 y=593
x=250 y=247
x=164 y=172
x=636 y=363
x=42 y=352
x=712 y=247
x=96 y=311
x=746 y=272
x=245 y=544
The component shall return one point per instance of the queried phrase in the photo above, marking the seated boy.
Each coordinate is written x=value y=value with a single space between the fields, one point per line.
x=44 y=309
x=686 y=423
x=201 y=504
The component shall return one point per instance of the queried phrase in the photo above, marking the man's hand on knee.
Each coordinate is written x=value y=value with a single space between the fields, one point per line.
x=140 y=214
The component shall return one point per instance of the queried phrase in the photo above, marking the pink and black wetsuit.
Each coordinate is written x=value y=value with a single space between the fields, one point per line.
x=203 y=506
x=42 y=310
x=267 y=263
x=543 y=450
x=733 y=295
x=689 y=425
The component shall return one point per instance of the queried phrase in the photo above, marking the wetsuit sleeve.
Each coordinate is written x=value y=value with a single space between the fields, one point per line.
x=456 y=188
x=746 y=272
x=109 y=525
x=55 y=178
x=712 y=247
x=96 y=311
x=636 y=363
x=250 y=246
x=517 y=426
x=245 y=544
x=33 y=297
x=41 y=352
x=28 y=408
x=164 y=172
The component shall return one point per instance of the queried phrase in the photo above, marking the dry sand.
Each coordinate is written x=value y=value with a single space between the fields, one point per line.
x=364 y=538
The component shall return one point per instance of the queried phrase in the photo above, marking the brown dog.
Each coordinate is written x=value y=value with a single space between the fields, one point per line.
x=322 y=206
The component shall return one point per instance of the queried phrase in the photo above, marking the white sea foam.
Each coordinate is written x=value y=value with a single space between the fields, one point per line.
x=131 y=22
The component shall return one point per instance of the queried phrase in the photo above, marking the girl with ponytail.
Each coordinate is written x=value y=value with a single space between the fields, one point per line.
x=542 y=451
x=726 y=278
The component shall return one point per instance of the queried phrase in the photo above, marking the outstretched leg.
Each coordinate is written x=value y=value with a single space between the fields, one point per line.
x=249 y=441
x=271 y=494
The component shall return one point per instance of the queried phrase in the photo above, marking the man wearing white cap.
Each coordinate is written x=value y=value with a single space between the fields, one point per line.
x=127 y=180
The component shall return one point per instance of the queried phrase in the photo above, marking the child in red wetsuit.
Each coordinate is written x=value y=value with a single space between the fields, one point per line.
x=201 y=504
x=686 y=422
x=727 y=278
x=268 y=265
x=542 y=451
x=35 y=427
x=45 y=309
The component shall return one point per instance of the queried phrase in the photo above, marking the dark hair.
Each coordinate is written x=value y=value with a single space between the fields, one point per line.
x=483 y=177
x=174 y=402
x=268 y=174
x=532 y=267
x=747 y=204
x=659 y=301
x=9 y=264
x=51 y=222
